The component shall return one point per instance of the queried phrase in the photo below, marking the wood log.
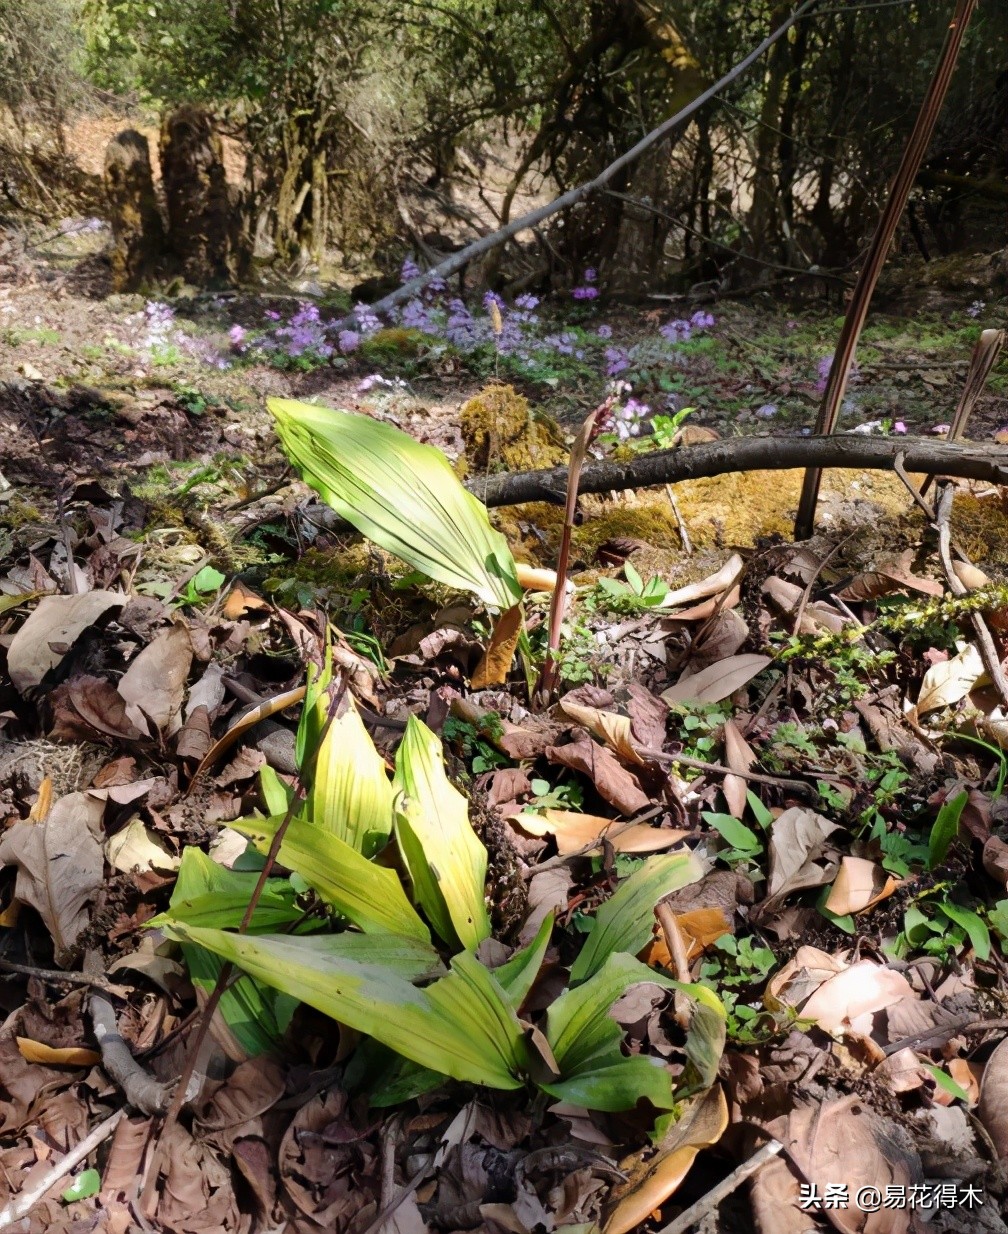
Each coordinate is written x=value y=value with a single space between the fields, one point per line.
x=962 y=460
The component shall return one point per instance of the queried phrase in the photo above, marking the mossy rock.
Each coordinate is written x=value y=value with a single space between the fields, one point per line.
x=980 y=526
x=502 y=433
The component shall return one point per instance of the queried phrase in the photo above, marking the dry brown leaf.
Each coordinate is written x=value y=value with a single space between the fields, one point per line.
x=852 y=997
x=720 y=638
x=607 y=726
x=52 y=1056
x=574 y=832
x=653 y=1181
x=710 y=586
x=804 y=973
x=798 y=842
x=888 y=578
x=859 y=885
x=739 y=756
x=134 y=847
x=950 y=680
x=493 y=668
x=612 y=781
x=268 y=707
x=59 y=866
x=154 y=684
x=240 y=600
x=995 y=860
x=718 y=682
x=700 y=928
x=993 y=1108
x=840 y=1142
x=703 y=610
x=51 y=630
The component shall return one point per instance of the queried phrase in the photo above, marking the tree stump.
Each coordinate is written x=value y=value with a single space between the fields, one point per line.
x=202 y=212
x=137 y=230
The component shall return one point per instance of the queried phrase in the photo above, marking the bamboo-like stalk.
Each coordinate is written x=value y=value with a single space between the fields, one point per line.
x=913 y=155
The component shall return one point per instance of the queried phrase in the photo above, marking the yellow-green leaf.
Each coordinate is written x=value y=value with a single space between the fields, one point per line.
x=443 y=855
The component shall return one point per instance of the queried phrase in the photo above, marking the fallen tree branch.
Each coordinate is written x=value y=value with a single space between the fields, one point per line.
x=487 y=244
x=716 y=458
x=141 y=1090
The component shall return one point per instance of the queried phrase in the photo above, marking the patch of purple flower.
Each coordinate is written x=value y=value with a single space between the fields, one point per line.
x=702 y=320
x=585 y=293
x=368 y=321
x=604 y=331
x=348 y=340
x=410 y=270
x=767 y=411
x=617 y=361
x=676 y=331
x=237 y=336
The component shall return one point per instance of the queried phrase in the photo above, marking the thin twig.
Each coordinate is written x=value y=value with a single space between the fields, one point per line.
x=22 y=1204
x=881 y=242
x=985 y=644
x=720 y=769
x=706 y=1204
x=911 y=488
x=55 y=976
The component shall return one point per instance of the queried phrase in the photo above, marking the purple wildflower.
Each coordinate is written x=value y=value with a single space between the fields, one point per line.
x=976 y=308
x=237 y=336
x=590 y=274
x=676 y=331
x=585 y=293
x=368 y=322
x=272 y=314
x=526 y=302
x=617 y=361
x=899 y=427
x=702 y=320
x=349 y=340
x=410 y=270
x=604 y=331
x=491 y=297
x=767 y=411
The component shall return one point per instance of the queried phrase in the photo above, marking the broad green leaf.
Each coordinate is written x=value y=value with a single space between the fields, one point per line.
x=402 y=495
x=975 y=928
x=224 y=910
x=442 y=854
x=586 y=1041
x=256 y=1015
x=518 y=974
x=625 y=920
x=618 y=1085
x=945 y=829
x=462 y=1025
x=737 y=834
x=944 y=1080
x=368 y=895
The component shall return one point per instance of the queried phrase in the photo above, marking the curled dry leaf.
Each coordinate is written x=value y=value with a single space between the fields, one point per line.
x=576 y=832
x=607 y=726
x=651 y=1182
x=798 y=842
x=493 y=669
x=154 y=684
x=718 y=682
x=719 y=639
x=700 y=928
x=849 y=999
x=53 y=1056
x=59 y=866
x=56 y=623
x=950 y=680
x=993 y=1108
x=710 y=586
x=704 y=609
x=611 y=779
x=740 y=756
x=135 y=847
x=859 y=885
x=893 y=576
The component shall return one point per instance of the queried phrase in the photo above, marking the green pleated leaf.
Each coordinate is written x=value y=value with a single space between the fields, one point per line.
x=402 y=495
x=625 y=921
x=517 y=975
x=368 y=895
x=445 y=860
x=460 y=1026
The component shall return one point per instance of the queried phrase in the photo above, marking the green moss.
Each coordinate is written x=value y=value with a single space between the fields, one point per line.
x=502 y=433
x=396 y=343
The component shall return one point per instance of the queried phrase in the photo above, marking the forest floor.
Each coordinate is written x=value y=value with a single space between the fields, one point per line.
x=838 y=774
